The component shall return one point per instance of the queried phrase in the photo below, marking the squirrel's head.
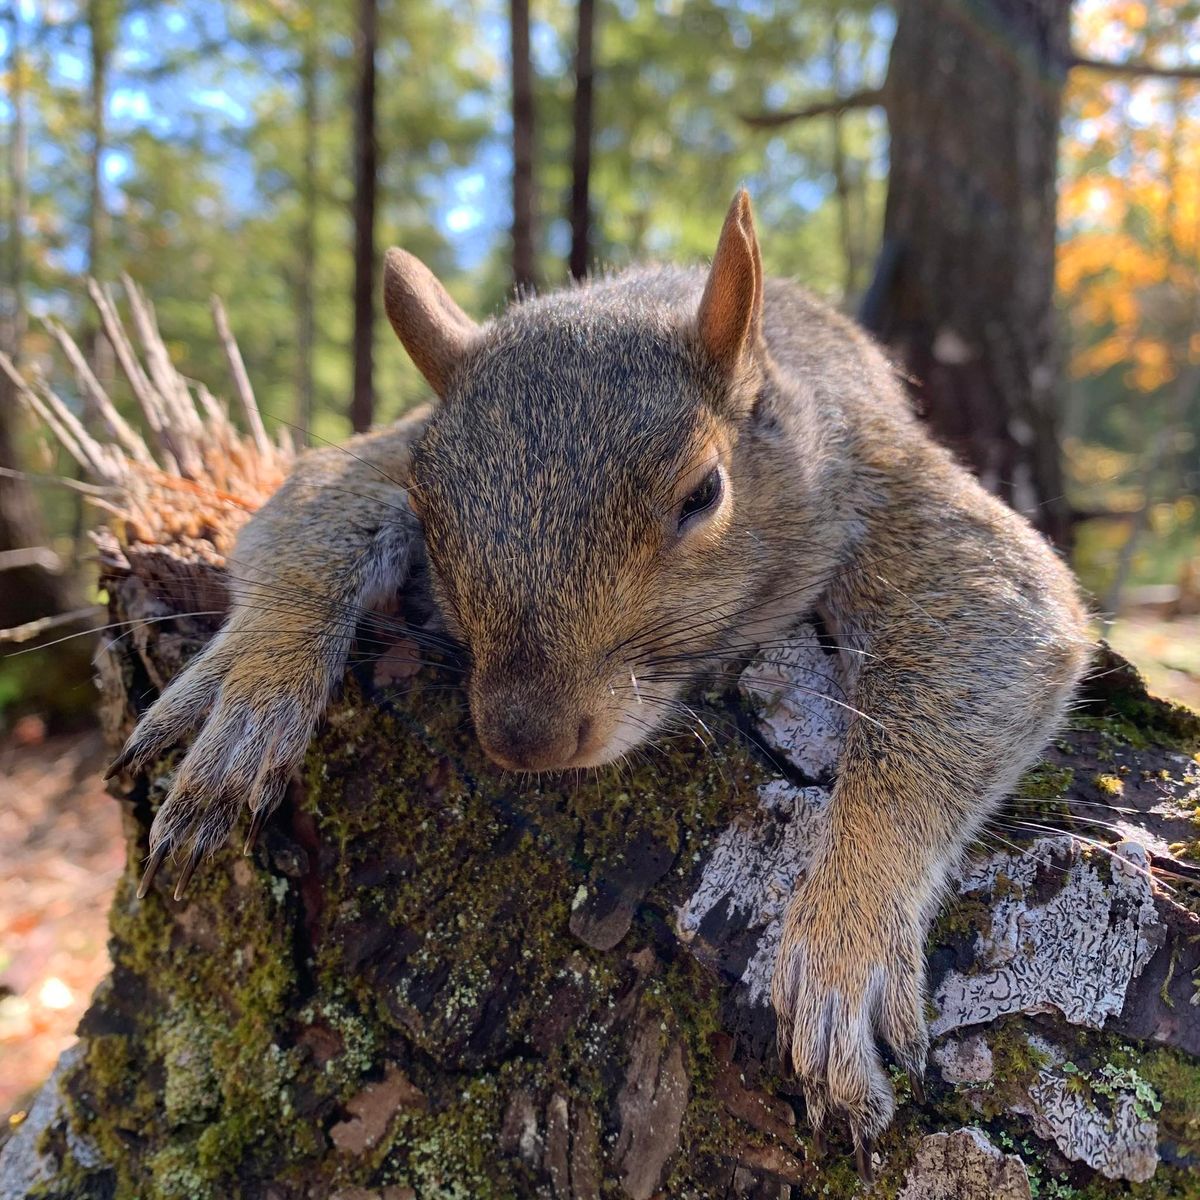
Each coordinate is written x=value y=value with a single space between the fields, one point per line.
x=590 y=485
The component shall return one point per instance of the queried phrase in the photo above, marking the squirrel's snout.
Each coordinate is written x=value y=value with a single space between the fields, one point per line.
x=524 y=736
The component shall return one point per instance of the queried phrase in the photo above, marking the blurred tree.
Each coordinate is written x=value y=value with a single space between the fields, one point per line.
x=305 y=310
x=26 y=592
x=973 y=101
x=581 y=163
x=362 y=403
x=524 y=195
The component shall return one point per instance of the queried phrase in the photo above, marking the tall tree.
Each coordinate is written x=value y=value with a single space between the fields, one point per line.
x=581 y=165
x=25 y=592
x=967 y=298
x=362 y=404
x=305 y=303
x=102 y=17
x=524 y=222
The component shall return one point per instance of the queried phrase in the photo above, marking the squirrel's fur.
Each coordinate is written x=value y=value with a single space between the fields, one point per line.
x=553 y=484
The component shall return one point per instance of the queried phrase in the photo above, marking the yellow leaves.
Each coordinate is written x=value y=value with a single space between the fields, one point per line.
x=1151 y=366
x=1132 y=15
x=1097 y=359
x=1128 y=264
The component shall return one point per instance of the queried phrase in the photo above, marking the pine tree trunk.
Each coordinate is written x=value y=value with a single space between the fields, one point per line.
x=362 y=403
x=434 y=981
x=965 y=295
x=524 y=222
x=305 y=302
x=581 y=164
x=26 y=593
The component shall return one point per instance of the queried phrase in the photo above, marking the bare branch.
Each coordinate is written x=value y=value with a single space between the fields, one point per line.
x=74 y=485
x=241 y=381
x=867 y=98
x=93 y=391
x=31 y=556
x=32 y=629
x=143 y=389
x=50 y=411
x=183 y=423
x=1141 y=70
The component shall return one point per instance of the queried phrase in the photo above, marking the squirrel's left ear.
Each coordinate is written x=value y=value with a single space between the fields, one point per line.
x=434 y=330
x=730 y=316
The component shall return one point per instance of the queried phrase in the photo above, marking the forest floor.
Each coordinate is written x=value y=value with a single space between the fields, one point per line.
x=1166 y=652
x=61 y=853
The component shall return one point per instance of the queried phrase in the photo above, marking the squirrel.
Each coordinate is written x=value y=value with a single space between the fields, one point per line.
x=620 y=487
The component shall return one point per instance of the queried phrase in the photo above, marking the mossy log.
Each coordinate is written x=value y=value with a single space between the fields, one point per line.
x=435 y=980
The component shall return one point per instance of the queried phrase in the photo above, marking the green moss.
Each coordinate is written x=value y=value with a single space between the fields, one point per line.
x=1175 y=1077
x=962 y=917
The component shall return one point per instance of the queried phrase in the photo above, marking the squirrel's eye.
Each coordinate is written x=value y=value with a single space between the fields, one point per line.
x=706 y=496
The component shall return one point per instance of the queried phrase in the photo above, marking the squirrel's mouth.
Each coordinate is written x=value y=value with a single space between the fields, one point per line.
x=524 y=728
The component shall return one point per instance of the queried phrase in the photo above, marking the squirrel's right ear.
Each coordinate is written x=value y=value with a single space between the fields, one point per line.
x=434 y=330
x=730 y=314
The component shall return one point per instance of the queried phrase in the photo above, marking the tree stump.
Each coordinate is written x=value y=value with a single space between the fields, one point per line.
x=435 y=980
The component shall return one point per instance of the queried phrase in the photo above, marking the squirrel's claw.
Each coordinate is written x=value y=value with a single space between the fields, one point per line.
x=152 y=864
x=864 y=1148
x=257 y=821
x=189 y=869
x=119 y=763
x=916 y=1085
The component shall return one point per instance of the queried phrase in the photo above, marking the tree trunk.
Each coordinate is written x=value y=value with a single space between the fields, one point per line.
x=101 y=21
x=965 y=297
x=305 y=315
x=581 y=164
x=362 y=404
x=432 y=980
x=524 y=224
x=26 y=593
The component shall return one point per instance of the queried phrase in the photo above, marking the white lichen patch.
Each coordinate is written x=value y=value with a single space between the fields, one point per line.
x=1103 y=1117
x=966 y=1061
x=801 y=697
x=964 y=1165
x=752 y=872
x=1075 y=952
x=1115 y=1139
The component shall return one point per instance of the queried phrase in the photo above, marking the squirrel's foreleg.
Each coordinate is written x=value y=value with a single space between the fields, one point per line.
x=949 y=718
x=337 y=533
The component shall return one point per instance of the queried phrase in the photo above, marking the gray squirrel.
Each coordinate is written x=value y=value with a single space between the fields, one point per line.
x=621 y=487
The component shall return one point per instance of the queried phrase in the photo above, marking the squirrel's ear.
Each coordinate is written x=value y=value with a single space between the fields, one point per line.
x=434 y=330
x=731 y=308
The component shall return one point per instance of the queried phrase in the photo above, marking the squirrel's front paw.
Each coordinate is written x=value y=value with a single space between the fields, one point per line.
x=258 y=714
x=846 y=978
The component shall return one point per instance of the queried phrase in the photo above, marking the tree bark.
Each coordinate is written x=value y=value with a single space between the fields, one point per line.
x=362 y=404
x=524 y=194
x=965 y=297
x=433 y=981
x=581 y=163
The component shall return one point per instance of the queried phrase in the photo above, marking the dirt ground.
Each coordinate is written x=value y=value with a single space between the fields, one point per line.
x=61 y=853
x=1166 y=652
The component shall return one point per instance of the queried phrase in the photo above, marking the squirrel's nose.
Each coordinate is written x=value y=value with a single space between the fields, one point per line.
x=521 y=739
